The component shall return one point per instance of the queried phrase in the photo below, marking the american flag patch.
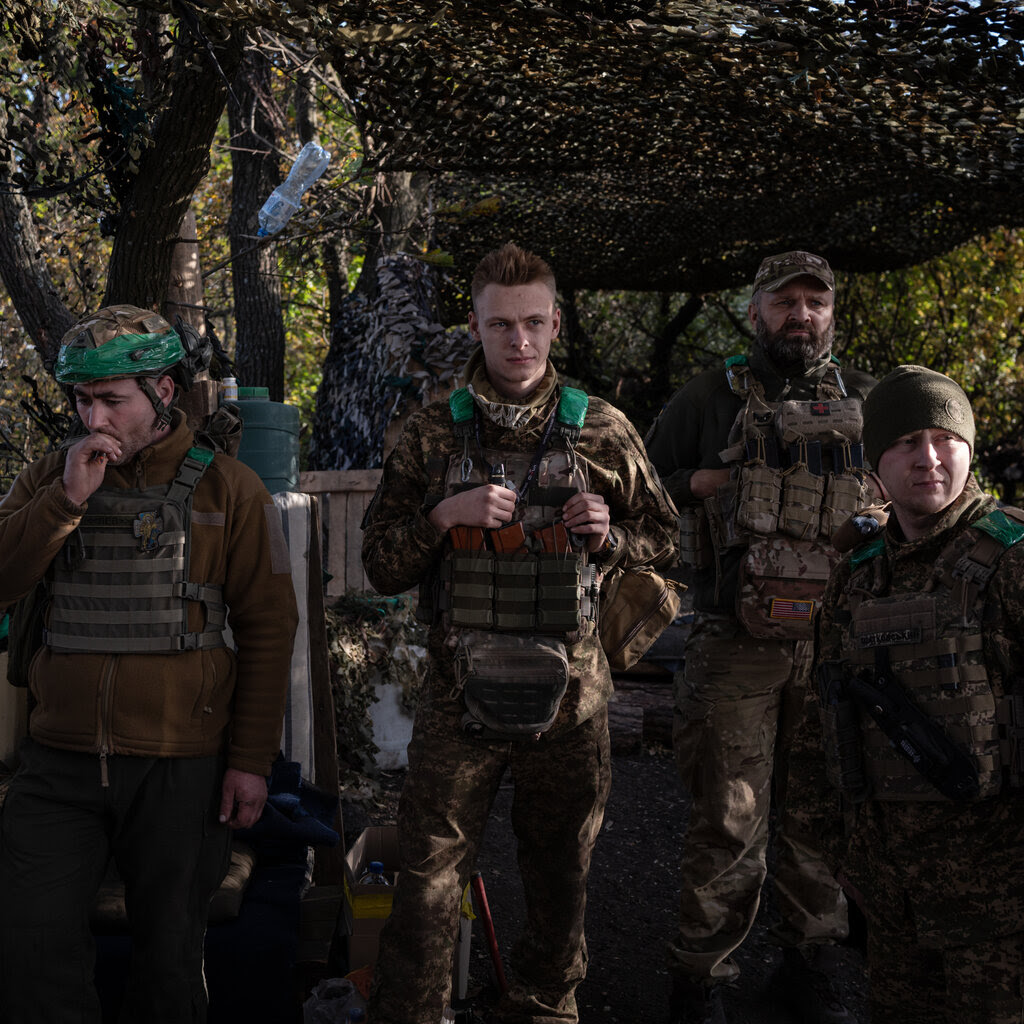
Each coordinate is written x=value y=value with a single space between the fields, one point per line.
x=803 y=611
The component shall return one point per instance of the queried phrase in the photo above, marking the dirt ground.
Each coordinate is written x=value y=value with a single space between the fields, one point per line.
x=631 y=903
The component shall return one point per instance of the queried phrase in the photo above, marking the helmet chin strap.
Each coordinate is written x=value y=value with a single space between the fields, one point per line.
x=162 y=409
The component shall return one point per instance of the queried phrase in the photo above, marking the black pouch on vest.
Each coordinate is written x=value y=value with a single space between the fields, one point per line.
x=511 y=685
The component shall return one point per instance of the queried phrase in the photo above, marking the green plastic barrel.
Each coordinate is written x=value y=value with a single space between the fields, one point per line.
x=270 y=439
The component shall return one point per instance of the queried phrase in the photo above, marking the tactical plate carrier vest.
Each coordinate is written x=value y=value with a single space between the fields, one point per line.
x=932 y=643
x=511 y=598
x=120 y=584
x=798 y=473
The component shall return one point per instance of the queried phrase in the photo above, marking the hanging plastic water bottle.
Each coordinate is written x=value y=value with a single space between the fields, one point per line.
x=374 y=874
x=311 y=162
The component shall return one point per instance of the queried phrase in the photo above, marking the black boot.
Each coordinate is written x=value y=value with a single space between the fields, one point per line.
x=694 y=1003
x=803 y=984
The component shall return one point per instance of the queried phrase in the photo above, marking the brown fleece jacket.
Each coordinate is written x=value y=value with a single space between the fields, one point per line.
x=188 y=704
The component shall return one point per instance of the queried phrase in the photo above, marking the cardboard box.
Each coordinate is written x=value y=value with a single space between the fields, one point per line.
x=368 y=906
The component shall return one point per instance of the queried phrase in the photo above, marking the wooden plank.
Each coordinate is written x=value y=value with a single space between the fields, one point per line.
x=336 y=527
x=321 y=480
x=329 y=866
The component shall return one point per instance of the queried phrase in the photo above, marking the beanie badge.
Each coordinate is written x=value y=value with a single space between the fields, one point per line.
x=954 y=410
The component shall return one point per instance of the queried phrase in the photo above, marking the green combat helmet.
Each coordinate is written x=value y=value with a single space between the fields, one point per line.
x=126 y=341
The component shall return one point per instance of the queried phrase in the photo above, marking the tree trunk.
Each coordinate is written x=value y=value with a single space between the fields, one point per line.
x=260 y=344
x=170 y=169
x=396 y=204
x=579 y=345
x=185 y=288
x=24 y=271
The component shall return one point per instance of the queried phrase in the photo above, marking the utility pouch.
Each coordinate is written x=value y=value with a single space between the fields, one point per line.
x=843 y=497
x=511 y=686
x=802 y=492
x=759 y=491
x=637 y=605
x=695 y=538
x=781 y=584
x=469 y=580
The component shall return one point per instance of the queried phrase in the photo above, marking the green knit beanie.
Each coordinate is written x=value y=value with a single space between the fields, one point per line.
x=914 y=398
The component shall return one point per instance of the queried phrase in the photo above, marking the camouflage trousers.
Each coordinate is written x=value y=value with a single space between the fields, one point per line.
x=561 y=784
x=739 y=701
x=977 y=984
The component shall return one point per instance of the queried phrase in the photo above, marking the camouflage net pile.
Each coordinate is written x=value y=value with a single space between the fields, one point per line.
x=668 y=145
x=372 y=641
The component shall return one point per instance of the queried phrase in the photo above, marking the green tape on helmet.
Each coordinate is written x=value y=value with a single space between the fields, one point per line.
x=128 y=355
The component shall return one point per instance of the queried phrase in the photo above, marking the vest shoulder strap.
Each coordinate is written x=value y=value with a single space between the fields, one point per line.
x=193 y=466
x=969 y=561
x=572 y=411
x=865 y=552
x=742 y=381
x=1006 y=525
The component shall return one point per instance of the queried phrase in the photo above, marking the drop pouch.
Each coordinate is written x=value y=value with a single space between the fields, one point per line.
x=511 y=685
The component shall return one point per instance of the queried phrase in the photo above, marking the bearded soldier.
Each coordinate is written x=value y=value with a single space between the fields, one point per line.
x=763 y=457
x=150 y=738
x=506 y=504
x=917 y=795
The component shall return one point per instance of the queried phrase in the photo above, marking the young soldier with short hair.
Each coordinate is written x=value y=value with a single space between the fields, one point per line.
x=505 y=504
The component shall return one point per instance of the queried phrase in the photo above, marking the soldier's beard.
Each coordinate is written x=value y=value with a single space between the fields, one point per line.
x=784 y=349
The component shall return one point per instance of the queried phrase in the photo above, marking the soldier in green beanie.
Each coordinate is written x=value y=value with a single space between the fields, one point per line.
x=908 y=765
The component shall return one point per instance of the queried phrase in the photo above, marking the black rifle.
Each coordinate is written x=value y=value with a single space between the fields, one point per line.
x=918 y=738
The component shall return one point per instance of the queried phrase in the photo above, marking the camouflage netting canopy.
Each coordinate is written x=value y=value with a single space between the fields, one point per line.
x=669 y=145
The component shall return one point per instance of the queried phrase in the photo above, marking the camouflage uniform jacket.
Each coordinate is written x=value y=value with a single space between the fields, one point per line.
x=694 y=427
x=401 y=548
x=953 y=868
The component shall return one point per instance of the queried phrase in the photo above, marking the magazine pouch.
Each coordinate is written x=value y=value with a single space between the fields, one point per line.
x=802 y=492
x=695 y=551
x=759 y=490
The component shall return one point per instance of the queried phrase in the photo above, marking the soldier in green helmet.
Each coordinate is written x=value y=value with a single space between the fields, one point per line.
x=506 y=504
x=150 y=738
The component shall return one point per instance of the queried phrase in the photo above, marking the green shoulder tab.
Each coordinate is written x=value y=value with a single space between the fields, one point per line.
x=835 y=360
x=735 y=361
x=572 y=407
x=999 y=525
x=866 y=552
x=203 y=455
x=461 y=404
